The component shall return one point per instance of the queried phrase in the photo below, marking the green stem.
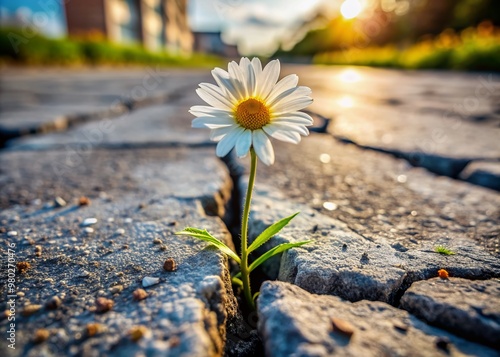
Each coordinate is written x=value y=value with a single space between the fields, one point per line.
x=245 y=272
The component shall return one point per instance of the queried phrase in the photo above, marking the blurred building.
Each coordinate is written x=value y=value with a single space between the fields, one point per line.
x=211 y=42
x=157 y=24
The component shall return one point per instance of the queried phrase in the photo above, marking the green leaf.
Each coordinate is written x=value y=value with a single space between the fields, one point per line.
x=269 y=232
x=237 y=281
x=207 y=237
x=256 y=295
x=276 y=250
x=270 y=253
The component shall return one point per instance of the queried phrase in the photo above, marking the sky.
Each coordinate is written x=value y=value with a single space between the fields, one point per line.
x=51 y=11
x=257 y=26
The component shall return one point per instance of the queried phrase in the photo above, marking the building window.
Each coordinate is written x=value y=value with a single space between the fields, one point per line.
x=129 y=30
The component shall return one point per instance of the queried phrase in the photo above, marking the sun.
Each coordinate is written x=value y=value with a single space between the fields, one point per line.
x=351 y=8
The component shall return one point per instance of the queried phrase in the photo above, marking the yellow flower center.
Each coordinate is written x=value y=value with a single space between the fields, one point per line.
x=252 y=114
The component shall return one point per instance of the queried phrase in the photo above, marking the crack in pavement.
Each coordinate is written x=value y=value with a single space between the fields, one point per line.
x=440 y=165
x=116 y=109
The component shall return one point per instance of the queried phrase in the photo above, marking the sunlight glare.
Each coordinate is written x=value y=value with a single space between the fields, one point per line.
x=351 y=8
x=346 y=101
x=350 y=76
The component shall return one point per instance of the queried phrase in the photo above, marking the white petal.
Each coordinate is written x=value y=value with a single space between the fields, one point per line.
x=295 y=116
x=244 y=62
x=286 y=136
x=292 y=121
x=224 y=81
x=216 y=92
x=268 y=78
x=210 y=99
x=250 y=76
x=303 y=90
x=258 y=76
x=301 y=129
x=203 y=110
x=263 y=147
x=245 y=67
x=220 y=72
x=227 y=143
x=244 y=143
x=237 y=78
x=289 y=95
x=219 y=133
x=291 y=106
x=284 y=84
x=209 y=87
x=211 y=122
x=257 y=66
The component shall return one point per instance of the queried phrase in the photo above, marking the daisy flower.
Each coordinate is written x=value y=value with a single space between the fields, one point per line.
x=248 y=105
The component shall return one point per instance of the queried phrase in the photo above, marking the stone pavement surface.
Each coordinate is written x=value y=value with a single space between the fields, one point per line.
x=374 y=218
x=35 y=101
x=471 y=310
x=78 y=254
x=294 y=322
x=444 y=122
x=340 y=262
x=155 y=125
x=381 y=198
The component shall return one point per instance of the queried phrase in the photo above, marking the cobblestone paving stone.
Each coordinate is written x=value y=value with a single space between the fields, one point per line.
x=468 y=308
x=292 y=321
x=380 y=198
x=79 y=254
x=51 y=100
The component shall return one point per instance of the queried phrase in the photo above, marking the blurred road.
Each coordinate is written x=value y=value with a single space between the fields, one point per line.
x=446 y=122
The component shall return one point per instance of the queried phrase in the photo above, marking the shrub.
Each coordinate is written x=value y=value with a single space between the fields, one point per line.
x=39 y=50
x=474 y=49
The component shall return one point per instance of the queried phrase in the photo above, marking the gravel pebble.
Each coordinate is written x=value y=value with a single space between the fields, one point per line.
x=103 y=305
x=89 y=221
x=170 y=265
x=149 y=281
x=116 y=289
x=22 y=267
x=59 y=202
x=30 y=309
x=83 y=201
x=138 y=332
x=53 y=303
x=139 y=294
x=41 y=335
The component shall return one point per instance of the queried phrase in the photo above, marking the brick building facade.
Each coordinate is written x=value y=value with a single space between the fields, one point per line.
x=157 y=24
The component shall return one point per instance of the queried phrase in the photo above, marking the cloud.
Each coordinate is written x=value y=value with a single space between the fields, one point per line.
x=256 y=14
x=260 y=21
x=257 y=26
